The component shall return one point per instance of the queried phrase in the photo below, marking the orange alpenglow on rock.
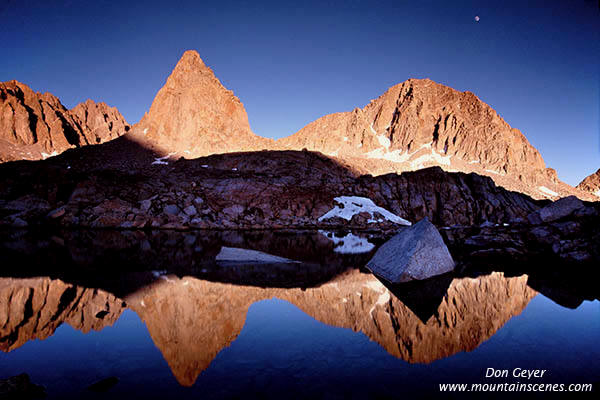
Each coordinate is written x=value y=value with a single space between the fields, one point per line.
x=591 y=184
x=195 y=115
x=35 y=126
x=421 y=123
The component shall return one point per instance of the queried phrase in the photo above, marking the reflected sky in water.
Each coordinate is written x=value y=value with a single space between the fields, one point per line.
x=169 y=322
x=281 y=350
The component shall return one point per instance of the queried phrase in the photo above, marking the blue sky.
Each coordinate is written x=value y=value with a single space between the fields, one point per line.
x=293 y=62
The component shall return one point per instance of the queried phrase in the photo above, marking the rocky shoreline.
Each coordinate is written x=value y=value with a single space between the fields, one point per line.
x=95 y=188
x=100 y=188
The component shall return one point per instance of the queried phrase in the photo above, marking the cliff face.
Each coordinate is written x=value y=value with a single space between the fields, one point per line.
x=195 y=115
x=420 y=123
x=191 y=320
x=35 y=126
x=34 y=308
x=591 y=184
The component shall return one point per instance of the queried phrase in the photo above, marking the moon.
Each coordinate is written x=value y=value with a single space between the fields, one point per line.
x=477 y=18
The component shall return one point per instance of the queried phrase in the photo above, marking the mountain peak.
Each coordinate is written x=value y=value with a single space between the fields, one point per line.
x=190 y=62
x=195 y=115
x=420 y=123
x=35 y=126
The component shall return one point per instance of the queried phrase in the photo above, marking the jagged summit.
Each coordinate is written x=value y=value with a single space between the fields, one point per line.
x=34 y=126
x=193 y=114
x=413 y=125
x=420 y=123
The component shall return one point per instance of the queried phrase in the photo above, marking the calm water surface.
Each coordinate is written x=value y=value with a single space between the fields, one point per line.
x=190 y=326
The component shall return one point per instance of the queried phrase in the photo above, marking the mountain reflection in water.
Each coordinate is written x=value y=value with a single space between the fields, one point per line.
x=194 y=307
x=192 y=320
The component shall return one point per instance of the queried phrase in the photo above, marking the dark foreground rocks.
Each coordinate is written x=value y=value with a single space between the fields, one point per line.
x=415 y=253
x=20 y=387
x=570 y=234
x=122 y=185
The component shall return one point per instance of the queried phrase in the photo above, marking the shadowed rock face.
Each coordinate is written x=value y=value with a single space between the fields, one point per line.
x=243 y=190
x=34 y=308
x=35 y=126
x=420 y=123
x=191 y=320
x=194 y=115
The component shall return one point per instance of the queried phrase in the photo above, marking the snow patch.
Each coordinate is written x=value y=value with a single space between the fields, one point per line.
x=396 y=156
x=352 y=205
x=372 y=129
x=161 y=160
x=547 y=191
x=377 y=153
x=234 y=254
x=145 y=131
x=46 y=155
x=384 y=141
x=382 y=300
x=433 y=157
x=345 y=138
x=375 y=285
x=474 y=162
x=349 y=244
x=597 y=192
x=491 y=171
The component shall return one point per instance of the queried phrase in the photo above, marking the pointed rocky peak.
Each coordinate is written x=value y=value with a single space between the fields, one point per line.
x=189 y=70
x=195 y=115
x=190 y=61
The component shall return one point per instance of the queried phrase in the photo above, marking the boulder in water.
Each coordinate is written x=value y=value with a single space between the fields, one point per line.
x=415 y=253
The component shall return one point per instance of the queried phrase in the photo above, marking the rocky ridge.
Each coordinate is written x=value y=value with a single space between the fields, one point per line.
x=34 y=308
x=591 y=184
x=421 y=123
x=413 y=125
x=259 y=190
x=35 y=126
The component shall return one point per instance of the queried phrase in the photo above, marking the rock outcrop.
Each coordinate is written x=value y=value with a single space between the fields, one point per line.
x=34 y=308
x=591 y=184
x=195 y=115
x=244 y=190
x=414 y=253
x=20 y=387
x=420 y=123
x=35 y=126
